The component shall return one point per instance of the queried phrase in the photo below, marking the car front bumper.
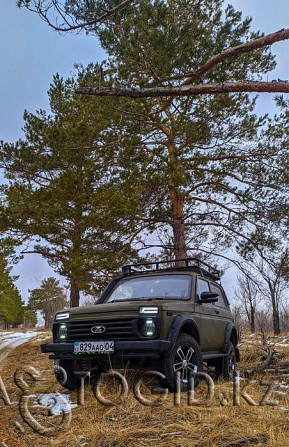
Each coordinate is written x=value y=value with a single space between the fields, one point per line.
x=132 y=348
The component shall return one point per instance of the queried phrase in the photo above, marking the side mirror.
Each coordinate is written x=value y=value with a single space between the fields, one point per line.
x=209 y=297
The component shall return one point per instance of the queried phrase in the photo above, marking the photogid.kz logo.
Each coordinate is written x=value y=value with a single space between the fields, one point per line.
x=58 y=406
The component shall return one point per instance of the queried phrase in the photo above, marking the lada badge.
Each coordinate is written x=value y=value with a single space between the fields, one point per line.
x=98 y=329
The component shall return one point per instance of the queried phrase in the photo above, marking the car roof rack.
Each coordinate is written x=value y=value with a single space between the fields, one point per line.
x=193 y=264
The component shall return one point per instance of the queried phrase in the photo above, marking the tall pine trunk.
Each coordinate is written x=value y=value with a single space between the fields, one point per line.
x=179 y=239
x=177 y=206
x=74 y=294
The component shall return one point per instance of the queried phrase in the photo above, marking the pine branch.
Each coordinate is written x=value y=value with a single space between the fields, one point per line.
x=188 y=90
x=235 y=51
x=55 y=8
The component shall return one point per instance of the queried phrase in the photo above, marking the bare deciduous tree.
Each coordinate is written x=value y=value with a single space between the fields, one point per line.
x=248 y=294
x=270 y=274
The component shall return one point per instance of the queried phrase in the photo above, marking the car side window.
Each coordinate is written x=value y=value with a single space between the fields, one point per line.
x=202 y=286
x=221 y=300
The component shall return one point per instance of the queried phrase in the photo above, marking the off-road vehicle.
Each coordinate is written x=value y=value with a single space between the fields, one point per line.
x=170 y=316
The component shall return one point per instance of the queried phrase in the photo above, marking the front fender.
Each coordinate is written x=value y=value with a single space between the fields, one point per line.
x=183 y=324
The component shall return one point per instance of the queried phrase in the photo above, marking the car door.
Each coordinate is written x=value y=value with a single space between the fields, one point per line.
x=222 y=306
x=214 y=317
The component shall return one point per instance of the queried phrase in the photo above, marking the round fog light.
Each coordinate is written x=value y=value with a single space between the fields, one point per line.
x=149 y=327
x=62 y=332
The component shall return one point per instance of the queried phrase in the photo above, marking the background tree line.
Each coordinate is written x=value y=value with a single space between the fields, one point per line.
x=206 y=176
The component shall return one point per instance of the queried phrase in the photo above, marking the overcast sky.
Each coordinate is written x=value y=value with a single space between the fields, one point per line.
x=31 y=54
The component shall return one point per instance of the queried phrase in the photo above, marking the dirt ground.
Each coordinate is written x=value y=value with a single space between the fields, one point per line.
x=37 y=411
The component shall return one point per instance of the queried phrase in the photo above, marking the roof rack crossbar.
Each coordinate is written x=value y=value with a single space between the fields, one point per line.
x=193 y=263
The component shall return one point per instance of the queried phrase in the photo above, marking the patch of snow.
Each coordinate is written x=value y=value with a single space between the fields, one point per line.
x=15 y=339
x=12 y=341
x=55 y=403
x=283 y=385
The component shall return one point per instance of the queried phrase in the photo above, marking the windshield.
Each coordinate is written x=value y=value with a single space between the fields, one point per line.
x=152 y=287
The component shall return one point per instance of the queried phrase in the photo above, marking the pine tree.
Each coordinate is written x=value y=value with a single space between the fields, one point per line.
x=64 y=198
x=204 y=168
x=48 y=299
x=11 y=305
x=205 y=171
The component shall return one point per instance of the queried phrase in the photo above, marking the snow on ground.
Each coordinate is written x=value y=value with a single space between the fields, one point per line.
x=56 y=403
x=11 y=340
x=15 y=338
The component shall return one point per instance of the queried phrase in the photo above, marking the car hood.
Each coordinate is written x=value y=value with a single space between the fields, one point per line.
x=125 y=308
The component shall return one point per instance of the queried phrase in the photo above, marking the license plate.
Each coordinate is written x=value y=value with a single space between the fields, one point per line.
x=93 y=347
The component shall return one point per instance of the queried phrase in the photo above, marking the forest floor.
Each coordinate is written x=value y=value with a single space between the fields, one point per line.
x=36 y=411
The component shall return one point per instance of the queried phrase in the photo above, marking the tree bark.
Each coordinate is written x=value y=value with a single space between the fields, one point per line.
x=46 y=322
x=179 y=240
x=252 y=320
x=177 y=202
x=188 y=90
x=276 y=320
x=275 y=310
x=74 y=294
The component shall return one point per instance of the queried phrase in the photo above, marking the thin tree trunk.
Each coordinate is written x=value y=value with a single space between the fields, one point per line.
x=252 y=321
x=275 y=310
x=47 y=320
x=276 y=320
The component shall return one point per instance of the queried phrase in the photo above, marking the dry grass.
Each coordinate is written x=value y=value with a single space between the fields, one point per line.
x=206 y=423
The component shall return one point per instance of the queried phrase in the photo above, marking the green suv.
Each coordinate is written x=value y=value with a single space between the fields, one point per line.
x=167 y=316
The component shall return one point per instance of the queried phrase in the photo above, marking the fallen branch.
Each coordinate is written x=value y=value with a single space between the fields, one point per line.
x=263 y=365
x=241 y=442
x=271 y=352
x=188 y=90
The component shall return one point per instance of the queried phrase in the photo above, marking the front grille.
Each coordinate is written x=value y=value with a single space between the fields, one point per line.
x=120 y=329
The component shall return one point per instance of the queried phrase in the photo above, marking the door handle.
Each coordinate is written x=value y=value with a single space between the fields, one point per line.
x=217 y=311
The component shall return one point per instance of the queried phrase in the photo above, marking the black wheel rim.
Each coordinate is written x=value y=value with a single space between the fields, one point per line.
x=184 y=363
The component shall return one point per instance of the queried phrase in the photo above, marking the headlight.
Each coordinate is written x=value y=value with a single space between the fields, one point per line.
x=152 y=310
x=62 y=316
x=62 y=331
x=149 y=327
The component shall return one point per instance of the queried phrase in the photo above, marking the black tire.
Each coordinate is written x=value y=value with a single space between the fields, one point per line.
x=64 y=375
x=225 y=367
x=185 y=357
